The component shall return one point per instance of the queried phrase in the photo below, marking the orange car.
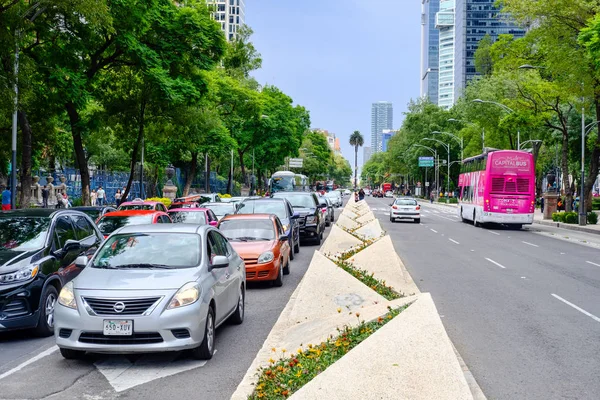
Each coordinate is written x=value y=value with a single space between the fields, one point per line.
x=261 y=242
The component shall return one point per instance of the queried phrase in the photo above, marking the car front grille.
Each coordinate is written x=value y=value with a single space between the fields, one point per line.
x=180 y=333
x=262 y=274
x=250 y=275
x=131 y=306
x=15 y=308
x=136 y=338
x=65 y=333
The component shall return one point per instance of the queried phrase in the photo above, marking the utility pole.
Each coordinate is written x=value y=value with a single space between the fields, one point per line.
x=142 y=195
x=13 y=172
x=582 y=213
x=231 y=172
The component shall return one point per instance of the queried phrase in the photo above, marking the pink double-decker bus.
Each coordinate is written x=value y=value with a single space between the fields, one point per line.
x=498 y=187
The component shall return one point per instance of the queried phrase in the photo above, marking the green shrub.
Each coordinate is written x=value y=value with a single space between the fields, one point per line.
x=166 y=201
x=592 y=218
x=78 y=202
x=571 y=217
x=596 y=203
x=556 y=216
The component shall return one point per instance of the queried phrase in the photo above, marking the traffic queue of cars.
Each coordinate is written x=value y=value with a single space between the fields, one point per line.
x=149 y=278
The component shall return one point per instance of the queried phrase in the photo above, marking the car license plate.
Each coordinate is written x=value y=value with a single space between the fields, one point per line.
x=406 y=209
x=118 y=327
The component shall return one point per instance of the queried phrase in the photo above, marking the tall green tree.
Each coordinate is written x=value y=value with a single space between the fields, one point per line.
x=356 y=140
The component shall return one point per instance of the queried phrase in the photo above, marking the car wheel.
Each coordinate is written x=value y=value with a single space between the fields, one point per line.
x=278 y=282
x=392 y=220
x=327 y=223
x=333 y=218
x=291 y=243
x=297 y=244
x=418 y=220
x=238 y=316
x=207 y=348
x=286 y=269
x=318 y=239
x=70 y=354
x=45 y=325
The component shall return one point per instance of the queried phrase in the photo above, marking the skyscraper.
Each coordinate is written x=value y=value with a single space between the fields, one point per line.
x=231 y=14
x=382 y=117
x=366 y=154
x=429 y=50
x=462 y=24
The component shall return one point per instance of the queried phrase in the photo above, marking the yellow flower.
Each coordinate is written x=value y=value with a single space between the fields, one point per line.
x=339 y=310
x=279 y=368
x=260 y=395
x=338 y=343
x=283 y=350
x=299 y=351
x=271 y=361
x=299 y=373
x=273 y=349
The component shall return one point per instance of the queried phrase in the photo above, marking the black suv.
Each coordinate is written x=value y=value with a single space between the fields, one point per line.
x=38 y=248
x=311 y=218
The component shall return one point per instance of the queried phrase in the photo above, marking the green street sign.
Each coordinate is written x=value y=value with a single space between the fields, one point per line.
x=426 y=162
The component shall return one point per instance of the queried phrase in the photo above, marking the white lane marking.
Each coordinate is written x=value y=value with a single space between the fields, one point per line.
x=589 y=262
x=453 y=241
x=449 y=219
x=30 y=361
x=495 y=263
x=592 y=316
x=433 y=230
x=562 y=253
x=494 y=233
x=530 y=244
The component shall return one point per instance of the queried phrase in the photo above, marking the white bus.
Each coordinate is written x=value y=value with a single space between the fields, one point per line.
x=287 y=181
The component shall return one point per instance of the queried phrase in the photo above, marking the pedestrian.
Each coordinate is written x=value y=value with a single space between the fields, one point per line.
x=45 y=194
x=431 y=197
x=123 y=196
x=6 y=195
x=542 y=204
x=93 y=197
x=101 y=195
x=65 y=200
x=118 y=197
x=361 y=195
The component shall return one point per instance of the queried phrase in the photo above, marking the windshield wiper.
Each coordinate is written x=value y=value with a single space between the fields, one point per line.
x=148 y=266
x=245 y=238
x=104 y=267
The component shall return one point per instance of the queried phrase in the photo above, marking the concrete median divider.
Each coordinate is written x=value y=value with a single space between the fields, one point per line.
x=355 y=279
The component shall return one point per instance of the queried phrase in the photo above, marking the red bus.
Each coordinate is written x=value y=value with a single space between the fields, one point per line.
x=498 y=187
x=385 y=187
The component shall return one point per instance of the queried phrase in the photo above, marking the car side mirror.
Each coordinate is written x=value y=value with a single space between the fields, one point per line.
x=81 y=261
x=71 y=245
x=283 y=238
x=213 y=223
x=219 y=262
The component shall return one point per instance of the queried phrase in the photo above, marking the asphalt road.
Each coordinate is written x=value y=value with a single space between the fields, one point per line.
x=31 y=368
x=521 y=307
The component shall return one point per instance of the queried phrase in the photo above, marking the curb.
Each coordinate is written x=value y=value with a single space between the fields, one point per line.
x=566 y=226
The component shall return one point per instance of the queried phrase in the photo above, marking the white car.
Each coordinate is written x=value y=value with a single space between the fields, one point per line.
x=405 y=208
x=347 y=192
x=389 y=193
x=367 y=192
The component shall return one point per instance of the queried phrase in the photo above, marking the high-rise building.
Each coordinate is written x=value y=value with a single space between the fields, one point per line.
x=385 y=138
x=430 y=37
x=366 y=154
x=382 y=117
x=231 y=14
x=462 y=24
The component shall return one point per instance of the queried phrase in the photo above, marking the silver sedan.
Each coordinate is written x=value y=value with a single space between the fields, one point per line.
x=405 y=208
x=152 y=288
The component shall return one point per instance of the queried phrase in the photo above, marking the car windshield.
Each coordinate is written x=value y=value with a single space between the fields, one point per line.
x=23 y=233
x=406 y=202
x=149 y=251
x=183 y=217
x=263 y=207
x=299 y=200
x=109 y=224
x=247 y=229
x=221 y=209
x=136 y=207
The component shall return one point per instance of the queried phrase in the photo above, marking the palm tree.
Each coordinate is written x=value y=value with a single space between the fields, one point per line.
x=356 y=140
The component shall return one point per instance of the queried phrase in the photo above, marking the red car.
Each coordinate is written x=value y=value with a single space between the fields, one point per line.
x=139 y=204
x=112 y=221
x=199 y=216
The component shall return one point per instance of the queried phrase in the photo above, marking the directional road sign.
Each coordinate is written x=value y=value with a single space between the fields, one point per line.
x=426 y=162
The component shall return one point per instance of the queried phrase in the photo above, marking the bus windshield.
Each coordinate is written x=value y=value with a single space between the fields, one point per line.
x=282 y=184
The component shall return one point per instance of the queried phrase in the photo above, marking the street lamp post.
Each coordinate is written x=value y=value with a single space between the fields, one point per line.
x=505 y=108
x=447 y=147
x=458 y=139
x=436 y=162
x=471 y=123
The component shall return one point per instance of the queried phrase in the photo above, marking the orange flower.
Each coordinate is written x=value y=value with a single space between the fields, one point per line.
x=273 y=349
x=285 y=393
x=358 y=314
x=268 y=372
x=380 y=320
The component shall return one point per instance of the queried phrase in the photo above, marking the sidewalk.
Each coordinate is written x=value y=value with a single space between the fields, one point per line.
x=539 y=219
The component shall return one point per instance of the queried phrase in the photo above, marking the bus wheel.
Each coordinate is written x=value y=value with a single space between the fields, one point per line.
x=475 y=223
x=462 y=216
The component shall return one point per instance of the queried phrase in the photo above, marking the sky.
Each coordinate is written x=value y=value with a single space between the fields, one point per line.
x=337 y=57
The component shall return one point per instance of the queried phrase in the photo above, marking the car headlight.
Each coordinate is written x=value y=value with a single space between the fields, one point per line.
x=266 y=257
x=311 y=219
x=24 y=274
x=67 y=296
x=286 y=227
x=186 y=295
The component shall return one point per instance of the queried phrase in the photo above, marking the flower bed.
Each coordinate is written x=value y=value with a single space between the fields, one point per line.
x=368 y=279
x=284 y=377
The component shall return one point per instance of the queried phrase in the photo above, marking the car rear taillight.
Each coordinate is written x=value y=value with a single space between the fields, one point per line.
x=395 y=207
x=418 y=208
x=324 y=210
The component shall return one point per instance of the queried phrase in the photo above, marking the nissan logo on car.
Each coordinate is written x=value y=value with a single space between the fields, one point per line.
x=119 y=307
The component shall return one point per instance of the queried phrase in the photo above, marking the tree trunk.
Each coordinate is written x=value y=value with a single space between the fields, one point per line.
x=76 y=131
x=565 y=172
x=26 y=179
x=355 y=164
x=136 y=148
x=191 y=174
x=243 y=167
x=207 y=174
x=594 y=164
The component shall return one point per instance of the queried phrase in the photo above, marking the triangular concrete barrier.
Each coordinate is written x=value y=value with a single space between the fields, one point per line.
x=411 y=357
x=345 y=222
x=339 y=241
x=381 y=260
x=370 y=231
x=363 y=219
